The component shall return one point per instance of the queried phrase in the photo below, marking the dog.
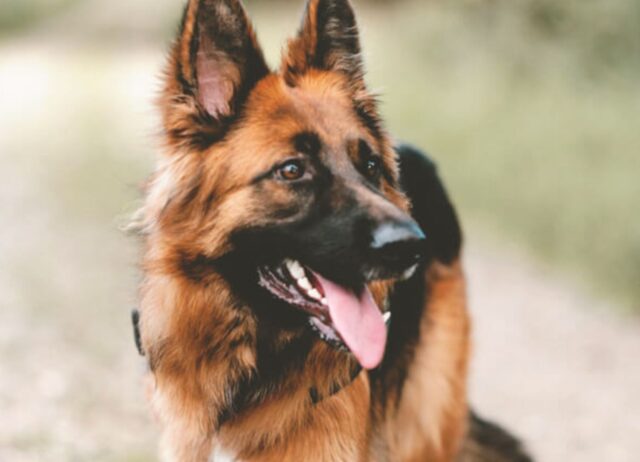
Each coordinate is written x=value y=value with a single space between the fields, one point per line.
x=303 y=296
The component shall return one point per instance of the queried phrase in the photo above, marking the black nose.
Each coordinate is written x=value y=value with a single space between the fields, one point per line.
x=398 y=245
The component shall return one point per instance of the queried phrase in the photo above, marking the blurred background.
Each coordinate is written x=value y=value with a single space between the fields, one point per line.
x=531 y=109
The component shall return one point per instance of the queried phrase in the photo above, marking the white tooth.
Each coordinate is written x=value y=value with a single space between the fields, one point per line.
x=304 y=284
x=386 y=316
x=324 y=302
x=409 y=272
x=313 y=293
x=295 y=269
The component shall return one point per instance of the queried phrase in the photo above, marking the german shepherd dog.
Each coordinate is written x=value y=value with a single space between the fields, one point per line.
x=303 y=297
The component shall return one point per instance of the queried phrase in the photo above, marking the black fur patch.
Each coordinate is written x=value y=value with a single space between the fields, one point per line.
x=371 y=121
x=335 y=387
x=431 y=206
x=487 y=442
x=196 y=268
x=337 y=33
x=307 y=143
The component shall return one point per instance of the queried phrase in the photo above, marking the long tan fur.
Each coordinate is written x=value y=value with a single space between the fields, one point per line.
x=201 y=339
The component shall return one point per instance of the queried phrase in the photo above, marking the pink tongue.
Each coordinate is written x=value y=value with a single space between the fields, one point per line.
x=358 y=321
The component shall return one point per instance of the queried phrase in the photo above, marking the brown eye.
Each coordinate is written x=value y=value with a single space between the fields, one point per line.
x=373 y=167
x=291 y=170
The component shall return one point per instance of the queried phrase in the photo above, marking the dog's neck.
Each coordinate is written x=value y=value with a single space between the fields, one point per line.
x=240 y=356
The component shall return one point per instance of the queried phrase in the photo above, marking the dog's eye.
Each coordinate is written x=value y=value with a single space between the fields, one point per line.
x=291 y=170
x=373 y=167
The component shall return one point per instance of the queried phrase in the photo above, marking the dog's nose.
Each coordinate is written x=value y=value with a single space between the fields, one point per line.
x=398 y=245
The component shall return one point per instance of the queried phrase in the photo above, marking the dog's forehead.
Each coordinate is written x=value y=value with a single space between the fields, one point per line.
x=320 y=102
x=276 y=113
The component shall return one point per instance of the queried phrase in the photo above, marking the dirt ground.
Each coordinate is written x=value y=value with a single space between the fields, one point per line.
x=551 y=362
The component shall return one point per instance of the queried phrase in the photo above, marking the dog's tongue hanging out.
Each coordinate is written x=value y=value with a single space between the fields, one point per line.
x=358 y=321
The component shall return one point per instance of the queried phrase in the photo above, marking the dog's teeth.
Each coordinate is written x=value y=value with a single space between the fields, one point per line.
x=386 y=316
x=296 y=269
x=304 y=284
x=313 y=293
x=409 y=272
x=324 y=301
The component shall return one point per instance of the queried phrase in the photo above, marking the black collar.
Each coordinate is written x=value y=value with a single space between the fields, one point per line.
x=335 y=388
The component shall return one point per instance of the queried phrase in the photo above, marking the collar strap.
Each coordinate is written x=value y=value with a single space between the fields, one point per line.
x=335 y=388
x=313 y=391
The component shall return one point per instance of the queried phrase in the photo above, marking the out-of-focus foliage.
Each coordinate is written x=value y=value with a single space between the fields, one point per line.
x=16 y=14
x=601 y=33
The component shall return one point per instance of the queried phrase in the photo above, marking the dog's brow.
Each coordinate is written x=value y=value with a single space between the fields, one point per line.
x=364 y=150
x=307 y=143
x=358 y=149
x=261 y=176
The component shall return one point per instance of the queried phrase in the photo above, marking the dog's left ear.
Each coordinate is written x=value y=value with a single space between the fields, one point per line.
x=327 y=40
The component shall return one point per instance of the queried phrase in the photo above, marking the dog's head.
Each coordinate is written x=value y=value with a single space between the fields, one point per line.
x=283 y=182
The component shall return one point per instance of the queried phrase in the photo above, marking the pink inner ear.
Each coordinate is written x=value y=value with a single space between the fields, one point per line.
x=217 y=78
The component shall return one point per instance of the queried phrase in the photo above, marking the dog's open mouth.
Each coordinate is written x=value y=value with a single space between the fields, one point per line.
x=340 y=315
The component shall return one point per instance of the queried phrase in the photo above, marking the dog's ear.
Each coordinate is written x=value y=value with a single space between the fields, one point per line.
x=327 y=40
x=215 y=63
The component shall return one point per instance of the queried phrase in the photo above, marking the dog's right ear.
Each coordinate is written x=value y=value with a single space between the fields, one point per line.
x=214 y=64
x=327 y=40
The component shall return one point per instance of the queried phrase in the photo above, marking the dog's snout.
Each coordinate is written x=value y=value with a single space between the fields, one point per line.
x=398 y=244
